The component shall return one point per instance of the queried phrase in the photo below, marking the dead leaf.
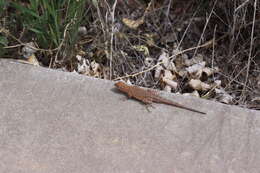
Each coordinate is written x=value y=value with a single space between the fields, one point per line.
x=196 y=67
x=182 y=73
x=28 y=50
x=33 y=60
x=197 y=59
x=195 y=70
x=194 y=93
x=142 y=48
x=150 y=39
x=164 y=59
x=170 y=83
x=158 y=72
x=83 y=67
x=167 y=88
x=199 y=85
x=256 y=99
x=223 y=96
x=133 y=24
x=149 y=61
x=96 y=69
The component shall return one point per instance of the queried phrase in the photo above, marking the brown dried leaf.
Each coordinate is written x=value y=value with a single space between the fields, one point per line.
x=142 y=48
x=28 y=50
x=196 y=70
x=133 y=24
x=194 y=93
x=167 y=88
x=197 y=59
x=209 y=71
x=223 y=96
x=83 y=67
x=196 y=67
x=149 y=61
x=33 y=60
x=158 y=72
x=164 y=59
x=182 y=73
x=150 y=39
x=199 y=85
x=170 y=83
x=168 y=74
x=96 y=69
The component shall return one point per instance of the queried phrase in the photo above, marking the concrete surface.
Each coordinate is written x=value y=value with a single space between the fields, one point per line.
x=56 y=122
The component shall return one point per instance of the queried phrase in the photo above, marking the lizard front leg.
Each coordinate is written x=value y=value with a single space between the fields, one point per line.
x=148 y=103
x=130 y=93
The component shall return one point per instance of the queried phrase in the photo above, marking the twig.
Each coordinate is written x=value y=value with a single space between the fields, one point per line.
x=63 y=40
x=171 y=57
x=205 y=26
x=242 y=5
x=213 y=50
x=2 y=30
x=186 y=30
x=250 y=52
x=112 y=39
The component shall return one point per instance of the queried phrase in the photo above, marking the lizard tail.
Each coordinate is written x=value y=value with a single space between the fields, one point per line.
x=179 y=105
x=190 y=109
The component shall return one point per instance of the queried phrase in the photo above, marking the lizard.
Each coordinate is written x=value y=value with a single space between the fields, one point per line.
x=148 y=96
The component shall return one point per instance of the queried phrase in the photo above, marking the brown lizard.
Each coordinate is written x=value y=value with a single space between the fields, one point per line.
x=148 y=96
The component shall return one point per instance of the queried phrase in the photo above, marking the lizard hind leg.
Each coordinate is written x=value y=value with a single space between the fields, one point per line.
x=148 y=103
x=148 y=106
x=147 y=100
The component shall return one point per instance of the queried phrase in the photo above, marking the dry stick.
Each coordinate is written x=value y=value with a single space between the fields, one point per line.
x=204 y=29
x=103 y=25
x=212 y=62
x=2 y=30
x=242 y=5
x=105 y=29
x=60 y=45
x=168 y=9
x=158 y=64
x=208 y=43
x=184 y=51
x=186 y=30
x=234 y=80
x=213 y=49
x=250 y=51
x=101 y=19
x=112 y=38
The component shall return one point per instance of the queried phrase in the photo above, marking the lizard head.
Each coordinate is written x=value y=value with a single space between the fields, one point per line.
x=120 y=84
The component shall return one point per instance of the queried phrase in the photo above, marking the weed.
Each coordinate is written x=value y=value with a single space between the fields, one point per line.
x=53 y=23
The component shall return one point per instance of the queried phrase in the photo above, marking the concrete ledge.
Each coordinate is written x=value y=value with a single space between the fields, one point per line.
x=56 y=122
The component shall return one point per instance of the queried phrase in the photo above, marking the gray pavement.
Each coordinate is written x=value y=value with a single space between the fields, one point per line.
x=57 y=122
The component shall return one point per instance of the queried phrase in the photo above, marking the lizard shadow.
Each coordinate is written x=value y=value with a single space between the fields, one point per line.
x=115 y=90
